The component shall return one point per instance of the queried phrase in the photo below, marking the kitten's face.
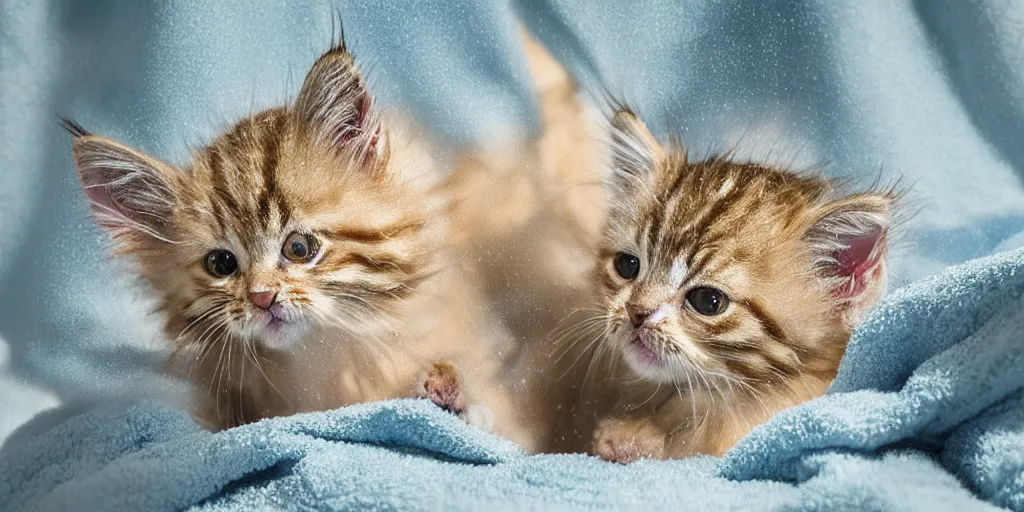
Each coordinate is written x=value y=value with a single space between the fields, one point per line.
x=283 y=237
x=295 y=220
x=738 y=272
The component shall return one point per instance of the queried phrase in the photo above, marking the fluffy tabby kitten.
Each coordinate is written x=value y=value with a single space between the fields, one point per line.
x=728 y=289
x=299 y=259
x=723 y=291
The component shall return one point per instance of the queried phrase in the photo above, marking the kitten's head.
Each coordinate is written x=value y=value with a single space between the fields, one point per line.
x=733 y=270
x=296 y=218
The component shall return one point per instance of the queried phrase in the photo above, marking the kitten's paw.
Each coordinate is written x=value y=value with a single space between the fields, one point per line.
x=628 y=441
x=443 y=386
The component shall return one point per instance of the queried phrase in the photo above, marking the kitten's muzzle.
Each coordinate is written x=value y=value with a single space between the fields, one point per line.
x=643 y=349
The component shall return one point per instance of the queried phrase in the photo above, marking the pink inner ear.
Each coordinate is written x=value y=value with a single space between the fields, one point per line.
x=858 y=262
x=363 y=107
x=102 y=201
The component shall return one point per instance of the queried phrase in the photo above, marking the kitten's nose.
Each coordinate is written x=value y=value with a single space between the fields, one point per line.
x=263 y=300
x=637 y=315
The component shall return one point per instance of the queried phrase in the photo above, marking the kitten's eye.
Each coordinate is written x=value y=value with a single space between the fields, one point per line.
x=300 y=247
x=627 y=265
x=221 y=263
x=708 y=301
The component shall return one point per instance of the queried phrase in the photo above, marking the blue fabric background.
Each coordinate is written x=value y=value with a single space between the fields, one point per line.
x=931 y=91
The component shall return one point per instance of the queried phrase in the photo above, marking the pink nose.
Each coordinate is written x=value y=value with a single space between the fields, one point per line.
x=637 y=314
x=263 y=300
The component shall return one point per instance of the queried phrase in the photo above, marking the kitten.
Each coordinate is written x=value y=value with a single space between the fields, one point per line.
x=300 y=259
x=792 y=264
x=729 y=291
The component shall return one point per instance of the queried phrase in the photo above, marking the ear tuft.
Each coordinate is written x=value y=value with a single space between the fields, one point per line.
x=128 y=191
x=73 y=128
x=849 y=243
x=335 y=104
x=636 y=154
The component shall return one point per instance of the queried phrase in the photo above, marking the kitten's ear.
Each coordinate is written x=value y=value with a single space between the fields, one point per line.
x=336 y=105
x=128 y=191
x=636 y=154
x=849 y=244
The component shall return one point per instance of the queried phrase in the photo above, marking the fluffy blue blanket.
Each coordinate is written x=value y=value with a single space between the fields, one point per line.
x=927 y=414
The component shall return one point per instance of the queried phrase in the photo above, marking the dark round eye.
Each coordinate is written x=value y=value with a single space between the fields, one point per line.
x=300 y=247
x=708 y=301
x=221 y=263
x=627 y=266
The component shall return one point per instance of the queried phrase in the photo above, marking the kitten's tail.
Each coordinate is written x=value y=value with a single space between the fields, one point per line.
x=569 y=149
x=554 y=85
x=530 y=211
x=555 y=174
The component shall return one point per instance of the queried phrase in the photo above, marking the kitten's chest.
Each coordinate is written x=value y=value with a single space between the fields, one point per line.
x=339 y=369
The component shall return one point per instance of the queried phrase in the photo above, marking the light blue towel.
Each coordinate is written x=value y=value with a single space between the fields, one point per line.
x=926 y=414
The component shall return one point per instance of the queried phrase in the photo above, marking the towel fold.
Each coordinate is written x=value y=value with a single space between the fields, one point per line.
x=938 y=367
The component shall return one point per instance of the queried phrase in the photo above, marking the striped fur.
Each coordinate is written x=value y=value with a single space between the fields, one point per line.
x=799 y=262
x=373 y=307
x=529 y=223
